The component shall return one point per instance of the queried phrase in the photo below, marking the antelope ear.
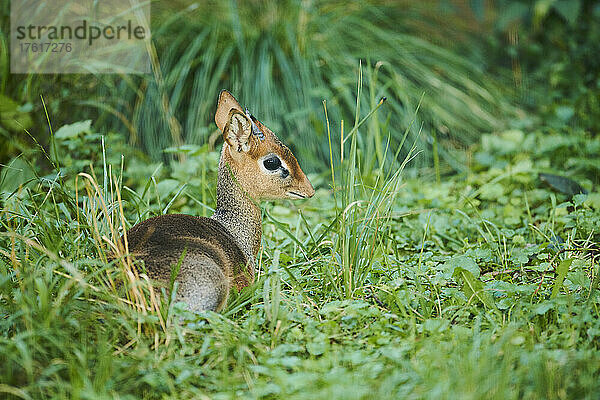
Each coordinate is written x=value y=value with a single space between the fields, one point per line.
x=238 y=131
x=225 y=104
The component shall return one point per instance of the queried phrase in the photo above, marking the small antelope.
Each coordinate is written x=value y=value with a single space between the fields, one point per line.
x=220 y=250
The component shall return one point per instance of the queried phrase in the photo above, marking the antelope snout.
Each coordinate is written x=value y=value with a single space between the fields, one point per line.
x=311 y=190
x=303 y=191
x=307 y=189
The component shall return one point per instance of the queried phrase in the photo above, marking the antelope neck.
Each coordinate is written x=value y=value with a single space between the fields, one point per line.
x=238 y=213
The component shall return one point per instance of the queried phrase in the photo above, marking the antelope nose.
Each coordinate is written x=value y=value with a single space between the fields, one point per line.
x=310 y=190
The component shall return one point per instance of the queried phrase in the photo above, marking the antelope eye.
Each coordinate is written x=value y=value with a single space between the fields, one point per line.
x=272 y=163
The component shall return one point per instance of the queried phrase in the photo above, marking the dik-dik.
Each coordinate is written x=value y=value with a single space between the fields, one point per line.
x=220 y=250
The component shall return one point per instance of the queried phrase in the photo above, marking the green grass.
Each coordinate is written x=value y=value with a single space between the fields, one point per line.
x=481 y=286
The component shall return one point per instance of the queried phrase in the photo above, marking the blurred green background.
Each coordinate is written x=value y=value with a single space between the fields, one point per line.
x=474 y=67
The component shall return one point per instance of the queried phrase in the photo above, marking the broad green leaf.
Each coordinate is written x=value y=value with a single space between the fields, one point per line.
x=543 y=307
x=73 y=130
x=561 y=273
x=463 y=262
x=473 y=287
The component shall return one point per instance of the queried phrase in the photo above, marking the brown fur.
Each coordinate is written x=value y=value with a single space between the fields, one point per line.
x=220 y=250
x=177 y=232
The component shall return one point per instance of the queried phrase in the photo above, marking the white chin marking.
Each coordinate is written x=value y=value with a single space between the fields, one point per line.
x=295 y=195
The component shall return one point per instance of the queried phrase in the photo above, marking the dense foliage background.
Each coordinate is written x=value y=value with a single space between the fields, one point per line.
x=451 y=250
